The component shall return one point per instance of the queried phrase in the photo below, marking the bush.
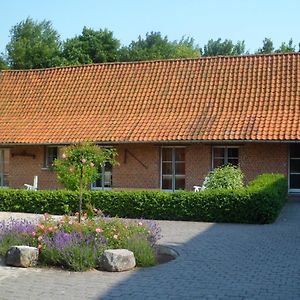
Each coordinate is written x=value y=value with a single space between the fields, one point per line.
x=224 y=177
x=77 y=246
x=260 y=202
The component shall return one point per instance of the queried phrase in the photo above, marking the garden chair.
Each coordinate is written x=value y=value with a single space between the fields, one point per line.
x=34 y=186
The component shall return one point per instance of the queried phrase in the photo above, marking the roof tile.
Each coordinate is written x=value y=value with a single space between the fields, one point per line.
x=254 y=97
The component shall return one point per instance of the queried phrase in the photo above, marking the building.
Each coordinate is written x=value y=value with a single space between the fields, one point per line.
x=171 y=121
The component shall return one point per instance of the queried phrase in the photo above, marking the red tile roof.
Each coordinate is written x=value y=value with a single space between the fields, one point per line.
x=253 y=97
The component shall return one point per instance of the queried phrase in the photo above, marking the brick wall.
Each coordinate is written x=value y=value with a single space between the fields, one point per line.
x=258 y=158
x=139 y=165
x=23 y=168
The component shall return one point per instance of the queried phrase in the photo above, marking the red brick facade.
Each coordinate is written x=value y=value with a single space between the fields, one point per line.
x=139 y=164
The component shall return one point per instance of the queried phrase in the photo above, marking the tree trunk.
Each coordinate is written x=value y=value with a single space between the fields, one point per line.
x=80 y=196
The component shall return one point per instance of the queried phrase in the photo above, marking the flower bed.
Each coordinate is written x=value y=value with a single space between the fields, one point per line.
x=68 y=244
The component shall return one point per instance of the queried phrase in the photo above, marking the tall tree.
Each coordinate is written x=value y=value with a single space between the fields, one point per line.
x=267 y=47
x=217 y=47
x=155 y=46
x=91 y=47
x=286 y=47
x=33 y=45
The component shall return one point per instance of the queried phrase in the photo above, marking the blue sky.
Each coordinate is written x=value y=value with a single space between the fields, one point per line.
x=249 y=20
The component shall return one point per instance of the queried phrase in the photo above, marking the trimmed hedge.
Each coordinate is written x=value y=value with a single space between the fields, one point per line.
x=260 y=202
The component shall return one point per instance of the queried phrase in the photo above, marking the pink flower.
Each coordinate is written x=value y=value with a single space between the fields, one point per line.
x=62 y=222
x=70 y=222
x=99 y=230
x=33 y=233
x=40 y=238
x=50 y=228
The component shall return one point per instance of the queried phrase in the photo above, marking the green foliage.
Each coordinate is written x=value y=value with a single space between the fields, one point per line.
x=217 y=47
x=33 y=45
x=224 y=177
x=144 y=255
x=78 y=246
x=267 y=47
x=260 y=202
x=3 y=64
x=286 y=47
x=82 y=160
x=91 y=47
x=155 y=46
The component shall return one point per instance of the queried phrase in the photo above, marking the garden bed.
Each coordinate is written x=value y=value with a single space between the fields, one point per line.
x=71 y=245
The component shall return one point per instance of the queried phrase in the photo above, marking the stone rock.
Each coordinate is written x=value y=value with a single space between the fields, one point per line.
x=22 y=256
x=117 y=260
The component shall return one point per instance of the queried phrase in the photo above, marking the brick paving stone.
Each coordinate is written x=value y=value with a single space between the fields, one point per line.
x=217 y=261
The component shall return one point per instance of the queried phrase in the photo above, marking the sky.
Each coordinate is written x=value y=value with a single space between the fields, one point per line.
x=249 y=20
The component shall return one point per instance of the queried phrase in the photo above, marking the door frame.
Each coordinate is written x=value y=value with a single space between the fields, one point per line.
x=289 y=170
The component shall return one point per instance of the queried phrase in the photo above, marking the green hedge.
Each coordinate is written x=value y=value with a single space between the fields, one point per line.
x=260 y=202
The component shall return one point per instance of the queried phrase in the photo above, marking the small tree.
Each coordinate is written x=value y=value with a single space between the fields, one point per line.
x=79 y=164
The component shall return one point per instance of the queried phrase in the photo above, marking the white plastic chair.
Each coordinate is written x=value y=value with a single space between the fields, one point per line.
x=34 y=186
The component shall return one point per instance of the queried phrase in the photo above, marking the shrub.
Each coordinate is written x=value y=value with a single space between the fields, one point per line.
x=260 y=202
x=77 y=246
x=224 y=177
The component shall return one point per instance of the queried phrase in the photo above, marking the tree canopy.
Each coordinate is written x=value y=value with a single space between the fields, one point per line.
x=3 y=64
x=36 y=44
x=217 y=47
x=155 y=46
x=33 y=45
x=91 y=47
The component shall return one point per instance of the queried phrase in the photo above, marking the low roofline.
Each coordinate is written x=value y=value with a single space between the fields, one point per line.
x=154 y=61
x=2 y=145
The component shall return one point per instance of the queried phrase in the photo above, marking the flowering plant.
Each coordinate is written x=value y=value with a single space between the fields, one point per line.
x=79 y=164
x=77 y=246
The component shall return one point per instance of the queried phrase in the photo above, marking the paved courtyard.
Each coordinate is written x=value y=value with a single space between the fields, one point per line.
x=217 y=261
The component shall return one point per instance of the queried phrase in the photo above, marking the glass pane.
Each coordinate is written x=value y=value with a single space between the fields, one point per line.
x=180 y=168
x=167 y=168
x=107 y=179
x=179 y=154
x=51 y=155
x=218 y=152
x=295 y=150
x=295 y=165
x=179 y=183
x=218 y=162
x=167 y=182
x=233 y=161
x=233 y=152
x=294 y=181
x=167 y=154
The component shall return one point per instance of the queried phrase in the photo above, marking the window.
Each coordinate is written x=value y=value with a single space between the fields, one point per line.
x=172 y=168
x=222 y=155
x=105 y=178
x=4 y=160
x=50 y=155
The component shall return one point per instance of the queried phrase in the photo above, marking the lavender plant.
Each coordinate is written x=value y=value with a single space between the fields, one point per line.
x=77 y=246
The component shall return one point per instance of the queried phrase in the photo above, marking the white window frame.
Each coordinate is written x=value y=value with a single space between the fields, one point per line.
x=103 y=187
x=225 y=154
x=173 y=168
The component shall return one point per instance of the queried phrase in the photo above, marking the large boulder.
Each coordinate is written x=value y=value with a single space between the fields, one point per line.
x=22 y=256
x=117 y=260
